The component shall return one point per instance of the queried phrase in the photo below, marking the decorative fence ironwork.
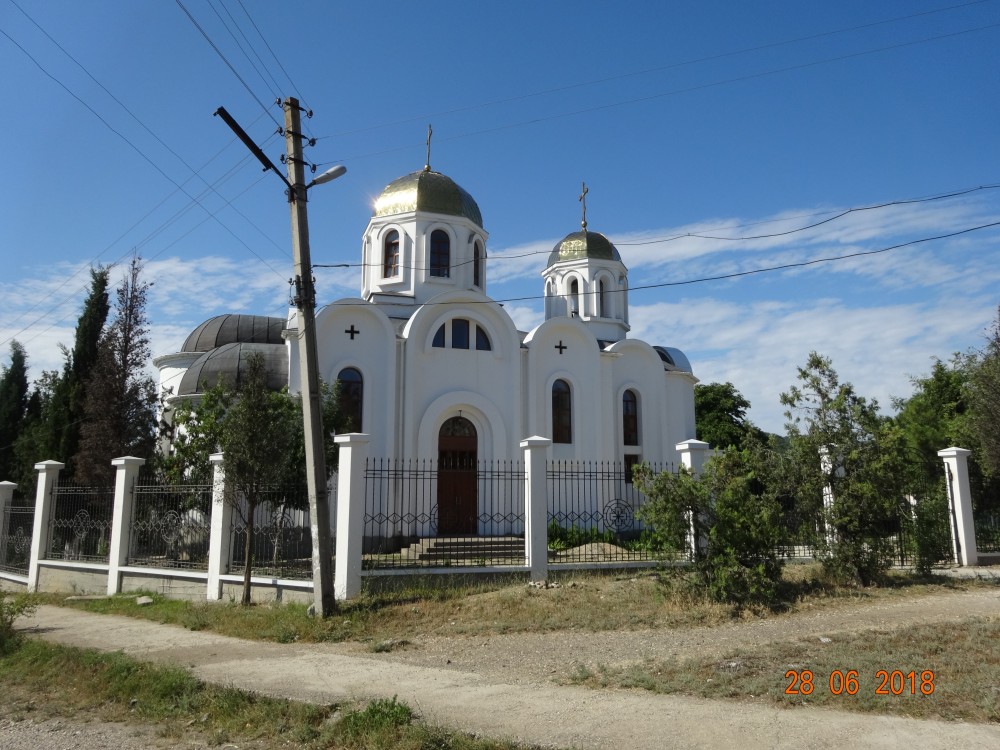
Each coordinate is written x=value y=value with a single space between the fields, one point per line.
x=282 y=540
x=171 y=525
x=15 y=544
x=593 y=514
x=426 y=513
x=80 y=523
x=988 y=532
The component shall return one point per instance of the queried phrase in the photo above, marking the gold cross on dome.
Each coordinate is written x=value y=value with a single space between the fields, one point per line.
x=430 y=132
x=583 y=200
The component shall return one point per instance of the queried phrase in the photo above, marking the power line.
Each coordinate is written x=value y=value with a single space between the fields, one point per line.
x=226 y=61
x=276 y=59
x=657 y=69
x=721 y=277
x=674 y=92
x=688 y=235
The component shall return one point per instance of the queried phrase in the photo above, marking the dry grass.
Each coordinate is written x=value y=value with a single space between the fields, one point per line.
x=964 y=660
x=585 y=602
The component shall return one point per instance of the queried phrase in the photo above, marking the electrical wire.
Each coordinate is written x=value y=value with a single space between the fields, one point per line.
x=720 y=277
x=688 y=235
x=672 y=92
x=226 y=61
x=646 y=71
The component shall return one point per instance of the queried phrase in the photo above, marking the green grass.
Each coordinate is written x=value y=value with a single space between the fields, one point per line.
x=43 y=680
x=964 y=659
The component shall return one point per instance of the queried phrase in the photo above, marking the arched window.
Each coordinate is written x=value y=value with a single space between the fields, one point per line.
x=459 y=333
x=483 y=340
x=439 y=338
x=390 y=255
x=574 y=297
x=477 y=265
x=440 y=254
x=602 y=300
x=630 y=418
x=350 y=398
x=562 y=412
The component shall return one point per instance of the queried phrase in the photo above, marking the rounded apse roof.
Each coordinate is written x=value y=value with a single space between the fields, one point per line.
x=429 y=191
x=231 y=329
x=228 y=364
x=582 y=245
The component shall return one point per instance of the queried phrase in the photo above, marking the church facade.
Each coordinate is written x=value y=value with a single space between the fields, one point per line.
x=431 y=367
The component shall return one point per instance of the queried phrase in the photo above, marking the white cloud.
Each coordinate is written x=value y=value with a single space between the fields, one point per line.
x=758 y=345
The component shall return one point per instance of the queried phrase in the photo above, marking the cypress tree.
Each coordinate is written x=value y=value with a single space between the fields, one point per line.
x=119 y=417
x=13 y=407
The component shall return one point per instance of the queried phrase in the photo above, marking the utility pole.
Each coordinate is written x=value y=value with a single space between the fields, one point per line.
x=305 y=301
x=324 y=602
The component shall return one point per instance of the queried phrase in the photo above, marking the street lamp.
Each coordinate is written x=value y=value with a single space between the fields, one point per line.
x=328 y=176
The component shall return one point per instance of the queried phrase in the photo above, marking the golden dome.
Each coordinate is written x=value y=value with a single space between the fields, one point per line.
x=583 y=245
x=428 y=191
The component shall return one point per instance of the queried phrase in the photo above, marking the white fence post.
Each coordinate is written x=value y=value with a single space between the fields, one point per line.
x=536 y=507
x=48 y=478
x=694 y=456
x=350 y=514
x=963 y=527
x=6 y=496
x=826 y=466
x=221 y=534
x=126 y=470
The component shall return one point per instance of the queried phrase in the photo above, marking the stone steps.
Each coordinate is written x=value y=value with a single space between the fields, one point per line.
x=464 y=549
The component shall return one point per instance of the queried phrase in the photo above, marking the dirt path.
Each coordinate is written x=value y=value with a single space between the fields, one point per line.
x=526 y=658
x=500 y=686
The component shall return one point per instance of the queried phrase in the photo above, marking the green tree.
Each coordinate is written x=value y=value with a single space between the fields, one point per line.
x=731 y=511
x=984 y=398
x=120 y=401
x=255 y=433
x=55 y=410
x=13 y=407
x=721 y=415
x=865 y=470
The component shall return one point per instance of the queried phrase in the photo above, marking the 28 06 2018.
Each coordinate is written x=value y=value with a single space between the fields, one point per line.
x=849 y=682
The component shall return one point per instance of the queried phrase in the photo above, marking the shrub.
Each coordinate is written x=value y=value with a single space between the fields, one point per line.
x=12 y=607
x=737 y=523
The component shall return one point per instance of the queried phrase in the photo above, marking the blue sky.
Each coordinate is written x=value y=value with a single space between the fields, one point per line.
x=723 y=119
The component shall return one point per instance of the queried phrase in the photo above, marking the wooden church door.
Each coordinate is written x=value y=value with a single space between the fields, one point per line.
x=457 y=486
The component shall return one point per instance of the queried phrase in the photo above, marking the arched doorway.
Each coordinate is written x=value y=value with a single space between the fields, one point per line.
x=456 y=495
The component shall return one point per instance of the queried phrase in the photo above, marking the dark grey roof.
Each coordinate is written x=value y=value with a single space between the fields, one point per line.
x=582 y=245
x=674 y=357
x=228 y=363
x=231 y=329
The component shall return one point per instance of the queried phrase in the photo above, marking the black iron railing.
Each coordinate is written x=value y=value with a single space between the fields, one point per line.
x=80 y=523
x=281 y=543
x=15 y=543
x=171 y=526
x=426 y=513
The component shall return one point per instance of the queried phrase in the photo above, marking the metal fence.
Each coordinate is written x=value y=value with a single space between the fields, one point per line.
x=593 y=514
x=281 y=544
x=171 y=525
x=425 y=513
x=988 y=532
x=80 y=523
x=15 y=544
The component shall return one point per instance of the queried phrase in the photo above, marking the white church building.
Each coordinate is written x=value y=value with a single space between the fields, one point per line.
x=431 y=367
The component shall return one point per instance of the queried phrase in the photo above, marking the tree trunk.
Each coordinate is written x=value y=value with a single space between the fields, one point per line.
x=248 y=551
